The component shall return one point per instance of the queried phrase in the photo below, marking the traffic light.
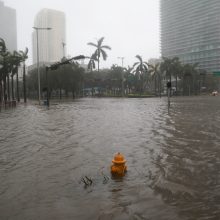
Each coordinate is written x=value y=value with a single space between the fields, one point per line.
x=168 y=85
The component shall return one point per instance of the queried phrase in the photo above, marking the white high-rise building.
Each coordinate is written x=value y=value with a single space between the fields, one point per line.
x=8 y=26
x=51 y=43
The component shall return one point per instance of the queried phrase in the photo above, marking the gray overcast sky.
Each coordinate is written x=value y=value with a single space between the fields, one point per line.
x=130 y=27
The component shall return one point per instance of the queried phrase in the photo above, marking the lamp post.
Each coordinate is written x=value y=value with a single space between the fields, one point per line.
x=63 y=44
x=38 y=68
x=122 y=61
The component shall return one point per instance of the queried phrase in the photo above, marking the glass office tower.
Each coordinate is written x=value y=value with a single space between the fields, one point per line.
x=190 y=30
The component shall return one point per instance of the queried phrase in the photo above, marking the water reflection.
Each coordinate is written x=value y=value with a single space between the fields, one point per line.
x=173 y=160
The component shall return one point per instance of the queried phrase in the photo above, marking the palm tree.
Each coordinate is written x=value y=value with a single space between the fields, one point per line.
x=171 y=67
x=2 y=67
x=91 y=64
x=6 y=69
x=154 y=70
x=100 y=52
x=16 y=62
x=140 y=69
x=166 y=67
x=189 y=72
x=15 y=59
x=23 y=55
x=129 y=78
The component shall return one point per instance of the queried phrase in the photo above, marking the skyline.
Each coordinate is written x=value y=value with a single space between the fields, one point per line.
x=134 y=28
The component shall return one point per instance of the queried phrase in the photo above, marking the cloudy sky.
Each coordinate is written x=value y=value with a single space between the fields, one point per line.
x=130 y=27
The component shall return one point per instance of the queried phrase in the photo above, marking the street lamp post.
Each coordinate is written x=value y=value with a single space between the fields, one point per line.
x=38 y=68
x=63 y=44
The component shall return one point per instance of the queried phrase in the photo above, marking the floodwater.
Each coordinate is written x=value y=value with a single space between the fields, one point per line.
x=173 y=160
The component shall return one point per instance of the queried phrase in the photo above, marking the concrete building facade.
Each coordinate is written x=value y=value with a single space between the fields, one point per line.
x=8 y=26
x=51 y=42
x=190 y=30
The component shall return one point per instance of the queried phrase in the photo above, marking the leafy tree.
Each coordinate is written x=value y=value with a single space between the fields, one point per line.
x=116 y=78
x=67 y=78
x=100 y=50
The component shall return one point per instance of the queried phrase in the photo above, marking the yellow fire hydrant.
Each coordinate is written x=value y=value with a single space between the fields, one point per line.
x=118 y=167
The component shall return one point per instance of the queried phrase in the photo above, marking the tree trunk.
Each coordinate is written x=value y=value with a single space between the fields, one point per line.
x=12 y=87
x=60 y=93
x=98 y=63
x=4 y=90
x=24 y=83
x=18 y=96
x=8 y=88
x=1 y=92
x=176 y=86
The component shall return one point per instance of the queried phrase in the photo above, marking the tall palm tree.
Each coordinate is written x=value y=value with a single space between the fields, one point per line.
x=15 y=59
x=140 y=69
x=24 y=56
x=166 y=67
x=16 y=62
x=154 y=70
x=6 y=69
x=129 y=78
x=2 y=67
x=100 y=52
x=91 y=64
x=189 y=74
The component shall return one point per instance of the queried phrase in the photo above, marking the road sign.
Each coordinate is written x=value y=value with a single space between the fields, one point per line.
x=216 y=73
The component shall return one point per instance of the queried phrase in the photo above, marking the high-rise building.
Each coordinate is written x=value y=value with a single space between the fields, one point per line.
x=190 y=30
x=8 y=26
x=51 y=43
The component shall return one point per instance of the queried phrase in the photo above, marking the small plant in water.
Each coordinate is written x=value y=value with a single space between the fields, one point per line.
x=87 y=181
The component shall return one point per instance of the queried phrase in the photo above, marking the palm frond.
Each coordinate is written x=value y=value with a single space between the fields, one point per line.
x=23 y=54
x=91 y=64
x=106 y=47
x=94 y=57
x=139 y=58
x=145 y=67
x=135 y=64
x=92 y=44
x=104 y=54
x=100 y=41
x=2 y=45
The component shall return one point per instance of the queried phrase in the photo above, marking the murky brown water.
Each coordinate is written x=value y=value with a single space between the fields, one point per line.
x=173 y=160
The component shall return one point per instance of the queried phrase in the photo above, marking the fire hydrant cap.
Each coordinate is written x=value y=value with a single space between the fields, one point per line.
x=118 y=158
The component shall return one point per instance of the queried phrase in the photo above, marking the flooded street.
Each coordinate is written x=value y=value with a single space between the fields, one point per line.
x=173 y=160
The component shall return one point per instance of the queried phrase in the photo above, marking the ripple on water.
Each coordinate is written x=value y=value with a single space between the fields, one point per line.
x=173 y=159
